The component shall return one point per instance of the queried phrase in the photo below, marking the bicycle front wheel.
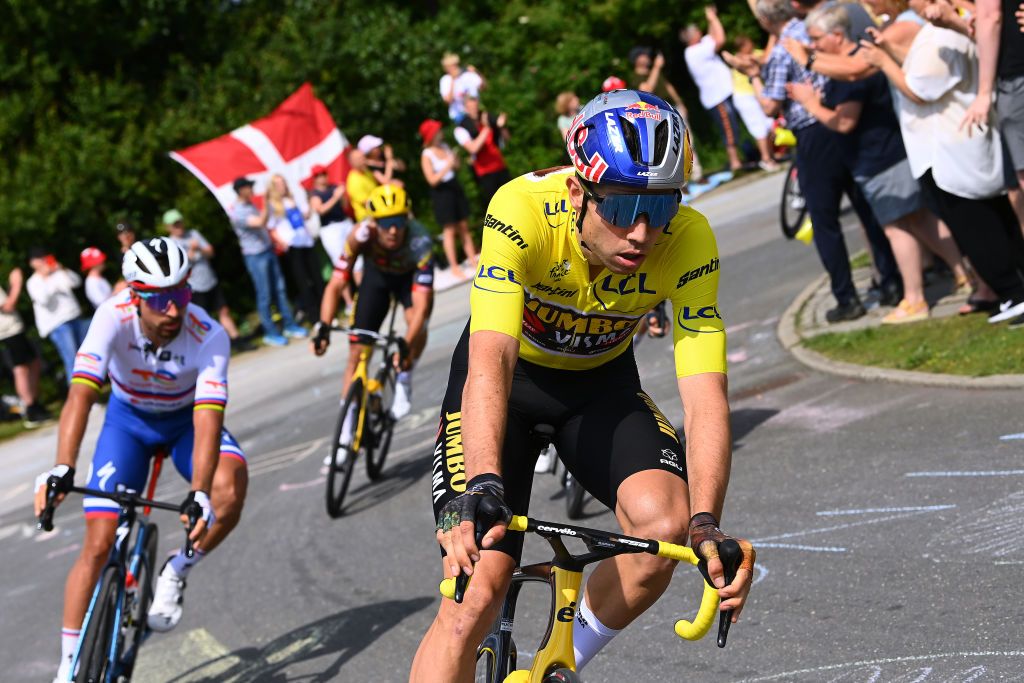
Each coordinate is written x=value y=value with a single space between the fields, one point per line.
x=339 y=469
x=94 y=654
x=137 y=609
x=793 y=209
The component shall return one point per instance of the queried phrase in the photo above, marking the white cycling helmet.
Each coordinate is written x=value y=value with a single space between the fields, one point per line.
x=155 y=263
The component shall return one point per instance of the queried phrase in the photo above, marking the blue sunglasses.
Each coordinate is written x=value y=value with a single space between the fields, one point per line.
x=623 y=210
x=160 y=300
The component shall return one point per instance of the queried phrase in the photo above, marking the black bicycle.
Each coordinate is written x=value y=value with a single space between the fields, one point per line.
x=793 y=208
x=370 y=398
x=115 y=623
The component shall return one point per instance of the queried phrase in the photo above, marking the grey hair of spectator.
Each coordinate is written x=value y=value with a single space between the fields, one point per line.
x=774 y=12
x=829 y=18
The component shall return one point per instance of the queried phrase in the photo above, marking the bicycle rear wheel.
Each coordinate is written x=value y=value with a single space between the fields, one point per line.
x=94 y=659
x=793 y=208
x=339 y=473
x=380 y=424
x=137 y=610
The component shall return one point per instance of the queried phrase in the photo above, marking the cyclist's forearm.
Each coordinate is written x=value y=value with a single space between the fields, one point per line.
x=208 y=424
x=708 y=449
x=421 y=300
x=332 y=293
x=73 y=420
x=492 y=358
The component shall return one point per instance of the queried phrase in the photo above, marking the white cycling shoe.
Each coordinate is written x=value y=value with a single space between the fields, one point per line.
x=340 y=457
x=401 y=406
x=165 y=612
x=546 y=460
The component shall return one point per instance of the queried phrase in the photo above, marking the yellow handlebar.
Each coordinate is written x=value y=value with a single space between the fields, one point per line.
x=701 y=624
x=448 y=588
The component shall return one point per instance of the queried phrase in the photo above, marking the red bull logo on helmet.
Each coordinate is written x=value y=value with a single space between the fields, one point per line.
x=643 y=110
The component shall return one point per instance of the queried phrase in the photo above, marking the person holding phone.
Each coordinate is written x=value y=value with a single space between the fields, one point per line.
x=57 y=312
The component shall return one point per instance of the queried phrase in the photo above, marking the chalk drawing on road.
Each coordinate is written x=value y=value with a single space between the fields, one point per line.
x=302 y=484
x=16 y=491
x=865 y=511
x=821 y=415
x=1012 y=437
x=64 y=550
x=737 y=356
x=1002 y=666
x=799 y=546
x=996 y=530
x=967 y=473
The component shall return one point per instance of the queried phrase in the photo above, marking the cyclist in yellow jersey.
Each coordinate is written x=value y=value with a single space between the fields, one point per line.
x=572 y=259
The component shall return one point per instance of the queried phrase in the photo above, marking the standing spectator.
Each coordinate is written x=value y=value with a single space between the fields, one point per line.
x=58 y=315
x=125 y=234
x=647 y=77
x=250 y=225
x=381 y=160
x=359 y=184
x=206 y=289
x=862 y=113
x=97 y=287
x=960 y=170
x=457 y=83
x=288 y=225
x=19 y=354
x=483 y=139
x=567 y=105
x=757 y=123
x=714 y=81
x=822 y=180
x=451 y=209
x=330 y=202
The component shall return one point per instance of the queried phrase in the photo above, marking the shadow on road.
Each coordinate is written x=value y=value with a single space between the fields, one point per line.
x=746 y=420
x=336 y=638
x=396 y=479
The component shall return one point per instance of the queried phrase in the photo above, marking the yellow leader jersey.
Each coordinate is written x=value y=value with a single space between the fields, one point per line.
x=533 y=283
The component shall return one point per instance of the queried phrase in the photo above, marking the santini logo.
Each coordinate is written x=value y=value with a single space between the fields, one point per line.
x=697 y=273
x=506 y=230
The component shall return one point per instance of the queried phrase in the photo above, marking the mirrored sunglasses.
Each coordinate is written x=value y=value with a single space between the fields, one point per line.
x=160 y=300
x=623 y=210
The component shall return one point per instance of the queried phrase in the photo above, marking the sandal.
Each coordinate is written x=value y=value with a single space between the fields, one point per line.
x=978 y=306
x=907 y=312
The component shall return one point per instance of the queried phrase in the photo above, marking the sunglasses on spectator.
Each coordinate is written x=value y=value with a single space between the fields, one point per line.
x=623 y=210
x=160 y=300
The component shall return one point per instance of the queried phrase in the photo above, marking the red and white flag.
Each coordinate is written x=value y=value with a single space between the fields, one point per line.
x=297 y=136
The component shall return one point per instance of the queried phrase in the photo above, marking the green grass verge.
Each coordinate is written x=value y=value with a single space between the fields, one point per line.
x=957 y=346
x=861 y=260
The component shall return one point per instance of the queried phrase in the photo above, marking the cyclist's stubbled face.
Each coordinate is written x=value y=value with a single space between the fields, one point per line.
x=621 y=250
x=159 y=328
x=390 y=238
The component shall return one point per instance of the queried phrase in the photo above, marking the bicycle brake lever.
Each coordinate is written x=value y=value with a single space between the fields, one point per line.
x=193 y=519
x=462 y=580
x=45 y=521
x=730 y=554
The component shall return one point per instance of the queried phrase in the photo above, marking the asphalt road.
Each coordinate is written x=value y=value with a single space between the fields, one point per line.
x=888 y=519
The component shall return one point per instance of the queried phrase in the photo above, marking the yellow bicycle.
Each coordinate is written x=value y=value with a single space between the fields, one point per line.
x=370 y=398
x=555 y=661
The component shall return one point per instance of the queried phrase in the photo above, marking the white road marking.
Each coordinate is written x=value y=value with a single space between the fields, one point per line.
x=1012 y=437
x=16 y=491
x=302 y=484
x=66 y=550
x=865 y=511
x=876 y=662
x=795 y=546
x=968 y=473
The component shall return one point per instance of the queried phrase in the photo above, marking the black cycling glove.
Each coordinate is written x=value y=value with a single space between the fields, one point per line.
x=197 y=506
x=483 y=503
x=321 y=336
x=60 y=478
x=705 y=539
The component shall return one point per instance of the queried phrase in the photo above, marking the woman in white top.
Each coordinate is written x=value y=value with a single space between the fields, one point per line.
x=287 y=225
x=58 y=315
x=451 y=209
x=960 y=170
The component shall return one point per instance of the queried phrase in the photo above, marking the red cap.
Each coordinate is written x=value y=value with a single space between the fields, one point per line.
x=613 y=83
x=317 y=170
x=92 y=257
x=428 y=129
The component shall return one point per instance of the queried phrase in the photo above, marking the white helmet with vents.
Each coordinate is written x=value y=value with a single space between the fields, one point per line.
x=155 y=263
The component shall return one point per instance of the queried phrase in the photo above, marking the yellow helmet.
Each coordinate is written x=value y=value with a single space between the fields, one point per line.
x=388 y=200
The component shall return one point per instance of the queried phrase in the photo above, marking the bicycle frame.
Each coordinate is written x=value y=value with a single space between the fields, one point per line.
x=371 y=385
x=564 y=574
x=127 y=518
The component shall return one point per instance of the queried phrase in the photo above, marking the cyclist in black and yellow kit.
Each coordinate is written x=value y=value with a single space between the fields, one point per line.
x=572 y=259
x=397 y=264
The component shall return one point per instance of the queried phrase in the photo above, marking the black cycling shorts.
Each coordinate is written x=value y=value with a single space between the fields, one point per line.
x=17 y=350
x=606 y=430
x=375 y=294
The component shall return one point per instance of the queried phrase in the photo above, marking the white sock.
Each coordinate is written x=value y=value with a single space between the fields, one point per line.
x=346 y=429
x=589 y=635
x=68 y=643
x=181 y=564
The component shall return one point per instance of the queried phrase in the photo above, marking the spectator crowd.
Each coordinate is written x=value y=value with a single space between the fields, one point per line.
x=913 y=109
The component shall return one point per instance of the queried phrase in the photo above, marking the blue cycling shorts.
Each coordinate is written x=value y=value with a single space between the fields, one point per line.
x=128 y=441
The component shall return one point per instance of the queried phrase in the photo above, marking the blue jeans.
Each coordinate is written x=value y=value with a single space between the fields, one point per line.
x=266 y=276
x=67 y=337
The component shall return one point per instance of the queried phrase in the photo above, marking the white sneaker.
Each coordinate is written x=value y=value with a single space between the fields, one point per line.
x=401 y=406
x=165 y=612
x=546 y=460
x=1008 y=309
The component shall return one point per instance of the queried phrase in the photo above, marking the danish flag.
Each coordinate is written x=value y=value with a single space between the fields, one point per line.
x=298 y=135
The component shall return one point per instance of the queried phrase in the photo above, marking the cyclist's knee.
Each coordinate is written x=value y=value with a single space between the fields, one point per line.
x=467 y=622
x=97 y=543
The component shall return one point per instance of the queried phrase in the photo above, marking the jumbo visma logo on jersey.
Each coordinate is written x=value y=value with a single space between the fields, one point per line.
x=567 y=331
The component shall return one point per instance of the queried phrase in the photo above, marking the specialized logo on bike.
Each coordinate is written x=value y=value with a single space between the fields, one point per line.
x=505 y=229
x=697 y=273
x=702 y=320
x=568 y=331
